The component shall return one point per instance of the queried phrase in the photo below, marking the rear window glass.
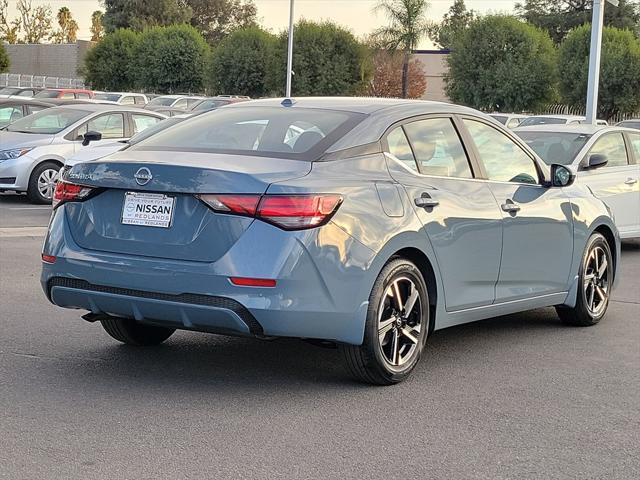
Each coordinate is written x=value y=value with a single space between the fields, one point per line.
x=295 y=133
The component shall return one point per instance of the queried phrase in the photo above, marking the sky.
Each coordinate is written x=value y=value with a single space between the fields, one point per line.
x=357 y=15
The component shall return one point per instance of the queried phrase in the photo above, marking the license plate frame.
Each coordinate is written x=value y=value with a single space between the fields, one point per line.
x=161 y=219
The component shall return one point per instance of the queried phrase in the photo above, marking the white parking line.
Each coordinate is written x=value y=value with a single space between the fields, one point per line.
x=12 y=232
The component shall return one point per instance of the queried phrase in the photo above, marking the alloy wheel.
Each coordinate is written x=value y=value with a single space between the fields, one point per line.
x=400 y=321
x=596 y=281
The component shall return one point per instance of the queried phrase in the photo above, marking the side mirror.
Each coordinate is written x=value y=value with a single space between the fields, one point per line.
x=561 y=175
x=596 y=160
x=91 y=136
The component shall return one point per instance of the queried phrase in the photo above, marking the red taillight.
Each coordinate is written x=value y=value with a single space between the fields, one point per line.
x=290 y=212
x=253 y=282
x=236 y=204
x=293 y=212
x=69 y=192
x=48 y=258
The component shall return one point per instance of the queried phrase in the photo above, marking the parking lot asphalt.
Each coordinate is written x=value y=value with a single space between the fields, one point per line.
x=516 y=397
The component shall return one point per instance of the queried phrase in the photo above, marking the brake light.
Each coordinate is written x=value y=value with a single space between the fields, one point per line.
x=290 y=212
x=253 y=282
x=296 y=212
x=48 y=258
x=69 y=192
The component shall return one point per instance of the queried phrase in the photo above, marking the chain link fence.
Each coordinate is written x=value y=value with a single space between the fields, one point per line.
x=39 y=81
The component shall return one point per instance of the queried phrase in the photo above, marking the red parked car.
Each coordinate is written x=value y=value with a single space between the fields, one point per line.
x=65 y=93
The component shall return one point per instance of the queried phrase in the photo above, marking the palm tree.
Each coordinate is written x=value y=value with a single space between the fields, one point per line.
x=407 y=25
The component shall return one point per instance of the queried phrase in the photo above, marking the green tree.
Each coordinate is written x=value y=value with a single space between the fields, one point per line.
x=141 y=14
x=109 y=64
x=9 y=29
x=454 y=22
x=68 y=32
x=215 y=19
x=97 y=29
x=500 y=63
x=619 y=90
x=559 y=17
x=171 y=59
x=241 y=63
x=407 y=26
x=327 y=60
x=4 y=60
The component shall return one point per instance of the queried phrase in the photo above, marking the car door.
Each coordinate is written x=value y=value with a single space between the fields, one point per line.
x=617 y=182
x=537 y=245
x=459 y=214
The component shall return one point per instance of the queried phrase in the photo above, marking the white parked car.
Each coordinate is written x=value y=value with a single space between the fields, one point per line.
x=123 y=98
x=556 y=120
x=509 y=120
x=183 y=102
x=100 y=151
x=34 y=148
x=607 y=160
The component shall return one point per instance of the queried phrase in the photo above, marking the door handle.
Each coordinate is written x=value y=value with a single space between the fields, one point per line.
x=631 y=181
x=425 y=201
x=510 y=207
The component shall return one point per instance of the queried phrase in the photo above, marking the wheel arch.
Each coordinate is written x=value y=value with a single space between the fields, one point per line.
x=610 y=237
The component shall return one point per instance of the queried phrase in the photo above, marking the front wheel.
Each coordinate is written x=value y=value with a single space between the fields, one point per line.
x=396 y=327
x=595 y=282
x=42 y=182
x=135 y=333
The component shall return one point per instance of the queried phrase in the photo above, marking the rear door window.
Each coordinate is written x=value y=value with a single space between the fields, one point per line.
x=182 y=103
x=142 y=122
x=128 y=100
x=635 y=145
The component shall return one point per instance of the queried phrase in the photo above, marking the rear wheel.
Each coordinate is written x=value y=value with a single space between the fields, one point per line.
x=595 y=281
x=396 y=327
x=42 y=182
x=135 y=333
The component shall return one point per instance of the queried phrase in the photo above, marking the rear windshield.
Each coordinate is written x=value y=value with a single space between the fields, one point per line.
x=163 y=101
x=553 y=147
x=49 y=121
x=295 y=133
x=111 y=97
x=47 y=94
x=527 y=122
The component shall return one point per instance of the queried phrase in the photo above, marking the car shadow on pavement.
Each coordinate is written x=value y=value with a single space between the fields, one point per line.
x=200 y=362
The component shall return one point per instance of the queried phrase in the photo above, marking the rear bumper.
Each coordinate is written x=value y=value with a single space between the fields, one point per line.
x=318 y=293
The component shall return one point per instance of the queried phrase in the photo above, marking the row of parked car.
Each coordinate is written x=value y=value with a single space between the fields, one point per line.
x=42 y=131
x=515 y=120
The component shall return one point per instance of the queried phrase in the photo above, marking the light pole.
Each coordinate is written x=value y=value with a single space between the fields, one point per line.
x=597 y=23
x=290 y=51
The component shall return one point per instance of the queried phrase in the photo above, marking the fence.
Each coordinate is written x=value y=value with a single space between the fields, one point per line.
x=38 y=81
x=558 y=109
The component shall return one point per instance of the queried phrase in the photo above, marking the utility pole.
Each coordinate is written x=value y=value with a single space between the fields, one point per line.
x=597 y=24
x=290 y=51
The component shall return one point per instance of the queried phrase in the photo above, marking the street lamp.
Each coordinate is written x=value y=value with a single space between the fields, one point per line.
x=290 y=51
x=597 y=23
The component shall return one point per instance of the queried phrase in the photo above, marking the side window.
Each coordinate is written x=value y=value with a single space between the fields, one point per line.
x=192 y=101
x=612 y=146
x=139 y=100
x=514 y=122
x=399 y=147
x=503 y=159
x=110 y=125
x=34 y=108
x=67 y=95
x=9 y=114
x=27 y=93
x=182 y=103
x=437 y=148
x=127 y=100
x=142 y=122
x=82 y=95
x=635 y=145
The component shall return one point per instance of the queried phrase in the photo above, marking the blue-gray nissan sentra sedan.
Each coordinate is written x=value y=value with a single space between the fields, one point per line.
x=364 y=222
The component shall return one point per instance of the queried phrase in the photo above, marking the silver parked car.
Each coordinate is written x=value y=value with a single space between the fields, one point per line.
x=556 y=120
x=178 y=102
x=364 y=222
x=607 y=160
x=34 y=148
x=509 y=120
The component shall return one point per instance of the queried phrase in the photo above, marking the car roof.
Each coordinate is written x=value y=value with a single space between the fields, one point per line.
x=366 y=105
x=24 y=101
x=581 y=128
x=101 y=107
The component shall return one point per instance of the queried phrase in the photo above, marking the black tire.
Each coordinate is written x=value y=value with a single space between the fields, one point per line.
x=33 y=193
x=135 y=333
x=370 y=362
x=584 y=314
